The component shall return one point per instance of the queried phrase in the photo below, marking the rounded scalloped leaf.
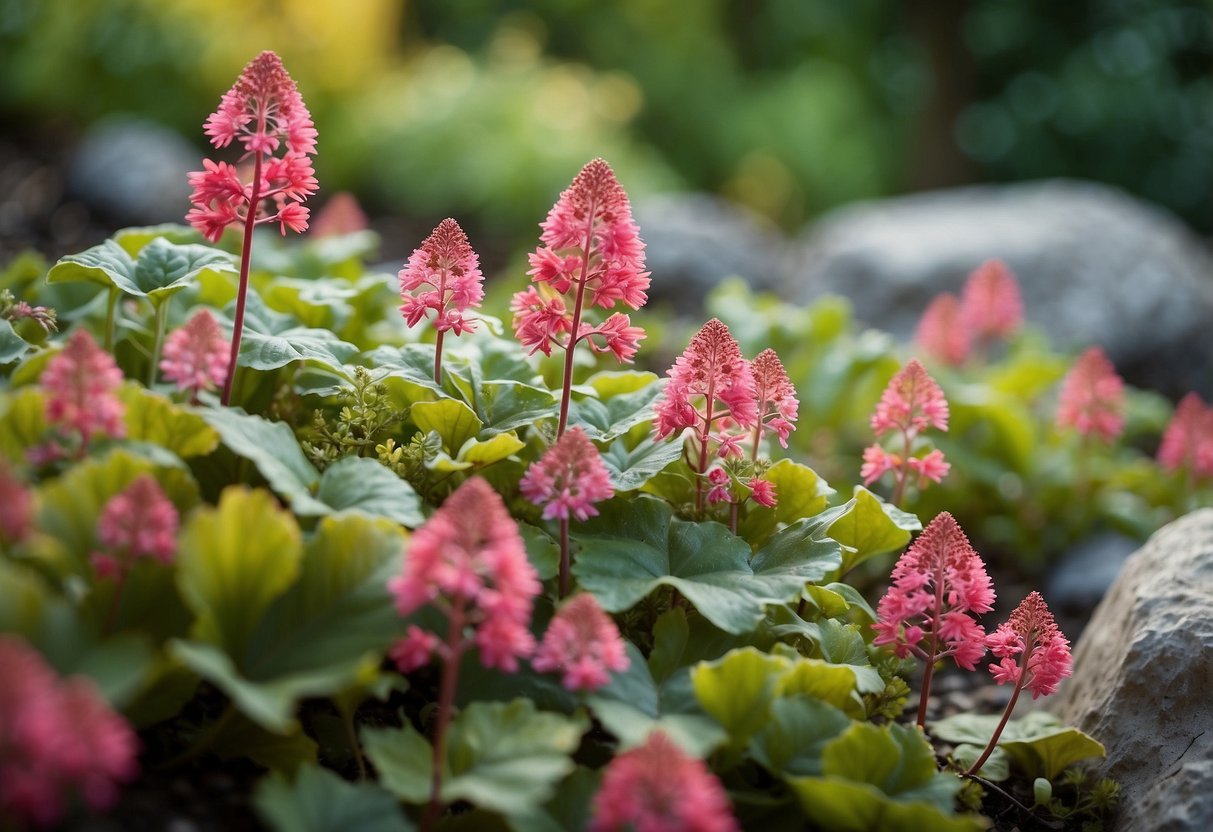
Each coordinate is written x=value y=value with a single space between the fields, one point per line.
x=320 y=801
x=802 y=493
x=161 y=269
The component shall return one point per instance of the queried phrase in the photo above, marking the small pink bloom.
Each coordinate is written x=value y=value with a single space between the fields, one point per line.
x=16 y=507
x=1044 y=652
x=139 y=522
x=469 y=560
x=930 y=467
x=583 y=644
x=712 y=372
x=656 y=787
x=912 y=401
x=568 y=479
x=763 y=492
x=43 y=316
x=619 y=337
x=730 y=445
x=196 y=355
x=81 y=384
x=414 y=650
x=775 y=396
x=1092 y=397
x=1188 y=440
x=876 y=463
x=993 y=305
x=540 y=321
x=722 y=486
x=943 y=332
x=443 y=277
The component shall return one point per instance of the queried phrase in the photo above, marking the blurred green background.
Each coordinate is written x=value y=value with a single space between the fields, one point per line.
x=484 y=110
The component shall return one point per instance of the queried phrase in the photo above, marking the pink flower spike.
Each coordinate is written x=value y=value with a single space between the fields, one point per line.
x=81 y=384
x=1187 y=442
x=942 y=331
x=712 y=370
x=992 y=303
x=775 y=396
x=1044 y=653
x=196 y=355
x=442 y=276
x=912 y=401
x=16 y=507
x=656 y=787
x=583 y=644
x=140 y=522
x=568 y=479
x=1092 y=397
x=540 y=320
x=341 y=215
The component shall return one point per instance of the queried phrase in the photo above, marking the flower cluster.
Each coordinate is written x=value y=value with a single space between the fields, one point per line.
x=140 y=522
x=912 y=403
x=469 y=562
x=81 y=385
x=583 y=644
x=590 y=249
x=775 y=397
x=656 y=787
x=16 y=507
x=568 y=479
x=1187 y=443
x=1092 y=399
x=710 y=382
x=264 y=112
x=15 y=310
x=1032 y=635
x=442 y=276
x=196 y=355
x=990 y=308
x=58 y=738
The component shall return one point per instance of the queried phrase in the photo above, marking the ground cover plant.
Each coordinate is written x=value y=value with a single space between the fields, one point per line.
x=409 y=565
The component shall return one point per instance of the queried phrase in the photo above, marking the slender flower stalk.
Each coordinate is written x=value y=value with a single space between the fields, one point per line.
x=443 y=277
x=264 y=112
x=912 y=403
x=469 y=563
x=590 y=249
x=1044 y=659
x=582 y=644
x=1092 y=399
x=938 y=585
x=567 y=481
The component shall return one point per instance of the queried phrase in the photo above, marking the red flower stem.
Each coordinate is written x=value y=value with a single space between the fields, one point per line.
x=932 y=654
x=708 y=418
x=733 y=506
x=446 y=702
x=903 y=471
x=566 y=390
x=564 y=557
x=115 y=602
x=245 y=261
x=438 y=357
x=1006 y=714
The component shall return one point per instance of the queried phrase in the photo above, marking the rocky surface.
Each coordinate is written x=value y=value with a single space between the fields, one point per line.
x=1096 y=266
x=1143 y=673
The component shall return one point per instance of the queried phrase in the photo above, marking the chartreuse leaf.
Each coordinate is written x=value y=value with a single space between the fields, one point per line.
x=632 y=468
x=322 y=633
x=154 y=419
x=320 y=801
x=570 y=808
x=799 y=729
x=134 y=239
x=738 y=689
x=867 y=526
x=801 y=494
x=451 y=419
x=1039 y=744
x=22 y=422
x=880 y=777
x=477 y=454
x=505 y=757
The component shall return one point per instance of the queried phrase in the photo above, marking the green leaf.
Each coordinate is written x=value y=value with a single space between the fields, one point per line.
x=801 y=550
x=842 y=644
x=800 y=727
x=410 y=369
x=451 y=419
x=505 y=405
x=363 y=485
x=570 y=808
x=502 y=446
x=285 y=751
x=154 y=419
x=233 y=561
x=841 y=805
x=1039 y=744
x=868 y=526
x=671 y=634
x=631 y=469
x=22 y=422
x=134 y=239
x=612 y=416
x=542 y=550
x=822 y=680
x=161 y=269
x=404 y=760
x=320 y=801
x=737 y=690
x=801 y=494
x=272 y=340
x=12 y=345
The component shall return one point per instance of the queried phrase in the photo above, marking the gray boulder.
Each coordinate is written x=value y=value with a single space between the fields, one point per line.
x=1143 y=677
x=1096 y=266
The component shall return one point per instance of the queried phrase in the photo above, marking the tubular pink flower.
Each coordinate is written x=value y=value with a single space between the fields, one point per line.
x=583 y=644
x=540 y=321
x=16 y=507
x=58 y=738
x=81 y=385
x=1092 y=397
x=468 y=561
x=619 y=337
x=140 y=522
x=195 y=356
x=931 y=467
x=656 y=787
x=876 y=463
x=443 y=277
x=414 y=650
x=722 y=486
x=937 y=582
x=912 y=401
x=992 y=303
x=568 y=479
x=943 y=331
x=775 y=397
x=712 y=371
x=1032 y=635
x=1187 y=442
x=763 y=492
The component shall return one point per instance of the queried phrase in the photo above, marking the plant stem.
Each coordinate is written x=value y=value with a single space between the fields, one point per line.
x=115 y=602
x=158 y=340
x=348 y=718
x=204 y=742
x=903 y=471
x=566 y=390
x=564 y=557
x=446 y=701
x=1006 y=714
x=932 y=654
x=733 y=507
x=110 y=308
x=709 y=417
x=246 y=252
x=438 y=358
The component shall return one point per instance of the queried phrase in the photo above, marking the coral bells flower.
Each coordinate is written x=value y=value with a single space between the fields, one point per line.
x=656 y=787
x=569 y=479
x=992 y=303
x=710 y=373
x=443 y=277
x=912 y=403
x=16 y=507
x=583 y=644
x=1092 y=399
x=775 y=398
x=1188 y=440
x=943 y=331
x=196 y=355
x=1030 y=628
x=58 y=738
x=763 y=492
x=264 y=113
x=140 y=522
x=81 y=385
x=468 y=561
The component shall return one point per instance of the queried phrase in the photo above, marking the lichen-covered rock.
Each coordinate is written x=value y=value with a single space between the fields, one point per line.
x=1096 y=267
x=1143 y=680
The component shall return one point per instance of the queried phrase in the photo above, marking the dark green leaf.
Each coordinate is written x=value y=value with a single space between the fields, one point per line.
x=320 y=801
x=631 y=469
